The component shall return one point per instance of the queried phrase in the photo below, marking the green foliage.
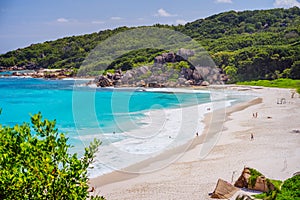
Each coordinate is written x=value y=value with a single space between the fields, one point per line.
x=295 y=70
x=267 y=195
x=182 y=64
x=111 y=71
x=259 y=44
x=277 y=183
x=134 y=59
x=253 y=177
x=281 y=83
x=290 y=189
x=35 y=163
x=232 y=72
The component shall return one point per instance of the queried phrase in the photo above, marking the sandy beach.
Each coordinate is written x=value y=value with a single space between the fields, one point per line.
x=274 y=151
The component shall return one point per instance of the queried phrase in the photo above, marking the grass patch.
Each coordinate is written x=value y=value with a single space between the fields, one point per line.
x=280 y=83
x=253 y=177
x=272 y=194
x=288 y=190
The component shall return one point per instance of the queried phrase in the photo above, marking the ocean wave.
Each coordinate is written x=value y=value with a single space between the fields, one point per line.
x=161 y=130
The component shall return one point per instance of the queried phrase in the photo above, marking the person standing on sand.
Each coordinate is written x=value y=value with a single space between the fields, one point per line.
x=255 y=115
x=252 y=136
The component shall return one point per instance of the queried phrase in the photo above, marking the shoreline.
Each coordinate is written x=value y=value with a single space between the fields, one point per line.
x=183 y=171
x=121 y=175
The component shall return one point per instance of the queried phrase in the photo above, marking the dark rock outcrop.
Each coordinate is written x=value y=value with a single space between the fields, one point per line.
x=110 y=79
x=162 y=75
x=103 y=81
x=165 y=57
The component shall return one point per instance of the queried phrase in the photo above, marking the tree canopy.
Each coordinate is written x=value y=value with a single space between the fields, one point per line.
x=249 y=45
x=35 y=163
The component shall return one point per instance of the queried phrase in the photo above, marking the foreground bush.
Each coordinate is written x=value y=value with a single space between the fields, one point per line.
x=35 y=163
x=289 y=190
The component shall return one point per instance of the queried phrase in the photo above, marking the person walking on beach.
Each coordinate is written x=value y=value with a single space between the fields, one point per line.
x=251 y=136
x=255 y=115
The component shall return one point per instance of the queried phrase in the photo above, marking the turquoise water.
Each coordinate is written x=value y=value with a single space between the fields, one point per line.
x=82 y=111
x=132 y=124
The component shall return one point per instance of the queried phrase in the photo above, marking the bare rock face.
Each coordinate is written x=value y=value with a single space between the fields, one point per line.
x=196 y=76
x=187 y=73
x=127 y=76
x=117 y=77
x=165 y=57
x=181 y=81
x=159 y=60
x=103 y=81
x=189 y=82
x=141 y=83
x=204 y=71
x=169 y=57
x=185 y=53
x=260 y=184
x=142 y=70
x=162 y=74
x=224 y=77
x=205 y=83
x=155 y=85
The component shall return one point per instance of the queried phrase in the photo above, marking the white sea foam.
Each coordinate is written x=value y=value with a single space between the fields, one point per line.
x=161 y=130
x=158 y=131
x=175 y=90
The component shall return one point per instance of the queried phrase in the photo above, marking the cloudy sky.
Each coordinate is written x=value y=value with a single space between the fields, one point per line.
x=24 y=22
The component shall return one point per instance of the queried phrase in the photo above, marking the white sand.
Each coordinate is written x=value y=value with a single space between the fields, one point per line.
x=275 y=151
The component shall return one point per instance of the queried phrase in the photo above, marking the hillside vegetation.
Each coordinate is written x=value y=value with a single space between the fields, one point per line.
x=248 y=45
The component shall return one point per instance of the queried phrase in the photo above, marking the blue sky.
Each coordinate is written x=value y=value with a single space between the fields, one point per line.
x=24 y=22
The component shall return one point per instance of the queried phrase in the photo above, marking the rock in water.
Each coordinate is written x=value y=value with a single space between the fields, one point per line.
x=102 y=81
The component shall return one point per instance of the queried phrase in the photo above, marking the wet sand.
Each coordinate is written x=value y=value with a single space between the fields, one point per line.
x=191 y=171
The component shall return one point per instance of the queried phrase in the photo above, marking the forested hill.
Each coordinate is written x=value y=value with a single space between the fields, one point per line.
x=248 y=45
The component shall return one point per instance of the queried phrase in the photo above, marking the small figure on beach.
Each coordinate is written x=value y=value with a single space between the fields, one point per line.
x=255 y=115
x=251 y=136
x=197 y=134
x=293 y=93
x=281 y=101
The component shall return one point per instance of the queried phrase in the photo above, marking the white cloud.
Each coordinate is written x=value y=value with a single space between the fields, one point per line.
x=163 y=13
x=116 y=18
x=286 y=3
x=181 y=21
x=97 y=22
x=223 y=1
x=62 y=20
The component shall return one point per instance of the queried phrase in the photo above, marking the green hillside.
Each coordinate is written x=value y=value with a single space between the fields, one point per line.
x=248 y=45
